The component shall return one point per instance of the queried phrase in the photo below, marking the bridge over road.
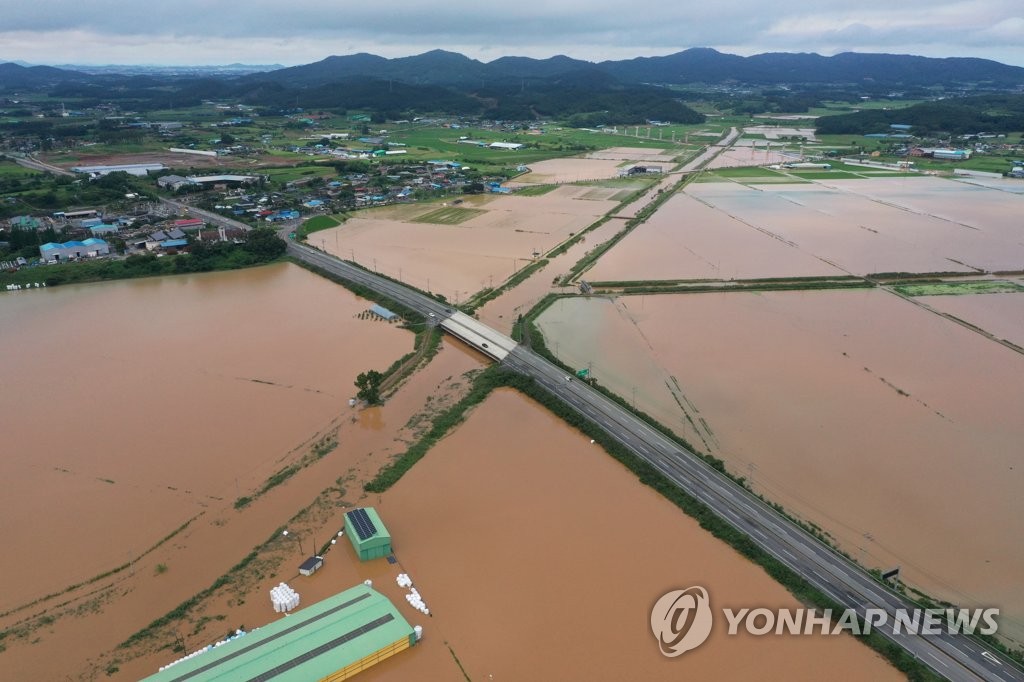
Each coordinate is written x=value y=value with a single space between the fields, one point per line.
x=956 y=657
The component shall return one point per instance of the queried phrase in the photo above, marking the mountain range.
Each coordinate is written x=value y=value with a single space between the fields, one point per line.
x=692 y=66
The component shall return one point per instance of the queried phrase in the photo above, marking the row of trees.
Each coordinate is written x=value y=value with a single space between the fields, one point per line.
x=988 y=113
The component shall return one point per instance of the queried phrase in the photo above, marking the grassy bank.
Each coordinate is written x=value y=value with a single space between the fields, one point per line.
x=318 y=223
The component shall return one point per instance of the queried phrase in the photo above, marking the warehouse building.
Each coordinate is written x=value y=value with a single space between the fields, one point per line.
x=136 y=169
x=329 y=641
x=89 y=248
x=367 y=534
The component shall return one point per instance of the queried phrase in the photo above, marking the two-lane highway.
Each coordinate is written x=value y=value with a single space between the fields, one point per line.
x=956 y=657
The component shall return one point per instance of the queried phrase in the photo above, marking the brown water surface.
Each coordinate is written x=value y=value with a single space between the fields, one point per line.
x=540 y=557
x=896 y=430
x=1001 y=315
x=135 y=405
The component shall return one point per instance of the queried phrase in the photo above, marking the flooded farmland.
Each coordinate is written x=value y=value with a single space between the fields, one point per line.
x=687 y=239
x=117 y=433
x=573 y=170
x=484 y=250
x=540 y=558
x=1001 y=315
x=881 y=224
x=140 y=380
x=872 y=417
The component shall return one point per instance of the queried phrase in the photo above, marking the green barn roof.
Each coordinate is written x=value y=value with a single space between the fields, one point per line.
x=306 y=645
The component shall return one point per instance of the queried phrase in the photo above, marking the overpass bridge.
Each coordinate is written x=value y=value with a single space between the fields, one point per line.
x=478 y=335
x=955 y=657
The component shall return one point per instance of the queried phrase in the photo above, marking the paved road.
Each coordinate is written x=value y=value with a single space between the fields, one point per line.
x=35 y=164
x=208 y=216
x=955 y=657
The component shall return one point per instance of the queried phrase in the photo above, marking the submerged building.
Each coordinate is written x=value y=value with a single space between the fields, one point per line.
x=329 y=641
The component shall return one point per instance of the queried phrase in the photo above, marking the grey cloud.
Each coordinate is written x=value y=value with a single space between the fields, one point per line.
x=596 y=30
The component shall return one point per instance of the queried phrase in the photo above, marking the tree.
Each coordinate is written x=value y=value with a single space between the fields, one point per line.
x=368 y=384
x=264 y=244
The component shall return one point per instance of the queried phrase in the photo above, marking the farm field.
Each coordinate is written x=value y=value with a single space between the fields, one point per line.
x=849 y=408
x=457 y=260
x=687 y=239
x=560 y=171
x=999 y=314
x=912 y=224
x=547 y=567
x=121 y=494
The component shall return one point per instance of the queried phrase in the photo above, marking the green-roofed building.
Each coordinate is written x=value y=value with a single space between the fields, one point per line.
x=329 y=641
x=367 y=533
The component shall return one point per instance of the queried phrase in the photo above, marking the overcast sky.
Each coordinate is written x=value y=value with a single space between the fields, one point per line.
x=291 y=32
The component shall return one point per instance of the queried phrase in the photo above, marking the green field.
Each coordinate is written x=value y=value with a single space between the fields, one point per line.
x=535 y=190
x=9 y=169
x=745 y=172
x=449 y=216
x=285 y=175
x=959 y=288
x=320 y=222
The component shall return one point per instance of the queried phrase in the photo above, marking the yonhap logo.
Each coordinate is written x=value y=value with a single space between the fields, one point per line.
x=681 y=620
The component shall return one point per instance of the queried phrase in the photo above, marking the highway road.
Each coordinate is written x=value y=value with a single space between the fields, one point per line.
x=955 y=657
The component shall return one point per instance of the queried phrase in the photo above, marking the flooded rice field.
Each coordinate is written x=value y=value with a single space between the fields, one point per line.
x=774 y=132
x=367 y=440
x=162 y=396
x=540 y=557
x=751 y=153
x=687 y=239
x=1001 y=315
x=118 y=433
x=882 y=224
x=664 y=156
x=571 y=170
x=459 y=259
x=893 y=428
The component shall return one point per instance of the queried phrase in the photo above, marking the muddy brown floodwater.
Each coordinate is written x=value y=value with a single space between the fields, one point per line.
x=1001 y=315
x=540 y=557
x=144 y=404
x=162 y=396
x=481 y=252
x=687 y=239
x=896 y=430
x=878 y=225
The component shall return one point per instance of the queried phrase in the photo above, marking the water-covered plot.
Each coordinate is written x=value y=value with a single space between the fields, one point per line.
x=896 y=430
x=460 y=259
x=1001 y=315
x=118 y=432
x=687 y=239
x=543 y=557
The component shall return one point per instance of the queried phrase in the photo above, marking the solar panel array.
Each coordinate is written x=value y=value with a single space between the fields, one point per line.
x=364 y=526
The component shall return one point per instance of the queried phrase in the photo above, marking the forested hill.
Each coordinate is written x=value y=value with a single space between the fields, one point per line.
x=985 y=113
x=696 y=65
